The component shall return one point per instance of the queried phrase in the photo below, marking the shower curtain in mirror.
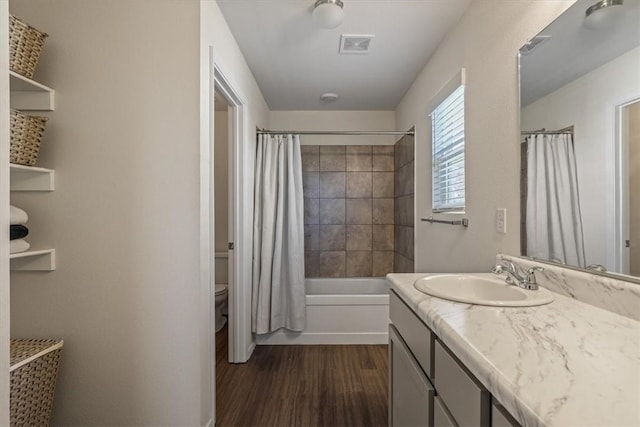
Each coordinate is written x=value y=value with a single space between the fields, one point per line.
x=278 y=291
x=554 y=223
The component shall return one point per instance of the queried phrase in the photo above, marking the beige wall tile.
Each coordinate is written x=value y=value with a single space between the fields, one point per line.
x=359 y=162
x=332 y=264
x=332 y=238
x=382 y=162
x=358 y=237
x=333 y=149
x=382 y=237
x=359 y=211
x=359 y=264
x=311 y=237
x=310 y=162
x=332 y=162
x=332 y=184
x=358 y=149
x=311 y=263
x=382 y=263
x=382 y=211
x=359 y=184
x=332 y=211
x=382 y=184
x=311 y=211
x=382 y=149
x=310 y=184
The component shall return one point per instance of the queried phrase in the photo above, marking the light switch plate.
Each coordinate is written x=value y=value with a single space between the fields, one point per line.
x=501 y=220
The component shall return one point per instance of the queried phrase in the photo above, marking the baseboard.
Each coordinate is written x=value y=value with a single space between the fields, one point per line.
x=325 y=338
x=252 y=347
x=210 y=423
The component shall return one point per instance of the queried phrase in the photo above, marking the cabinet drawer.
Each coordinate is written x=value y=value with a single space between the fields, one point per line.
x=441 y=416
x=500 y=417
x=467 y=400
x=416 y=334
x=410 y=392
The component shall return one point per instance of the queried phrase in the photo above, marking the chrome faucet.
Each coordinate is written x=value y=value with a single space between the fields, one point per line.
x=515 y=275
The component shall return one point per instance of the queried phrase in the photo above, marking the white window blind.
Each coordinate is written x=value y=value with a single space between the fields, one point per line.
x=447 y=125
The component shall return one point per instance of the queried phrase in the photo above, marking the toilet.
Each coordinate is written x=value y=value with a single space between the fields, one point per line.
x=220 y=306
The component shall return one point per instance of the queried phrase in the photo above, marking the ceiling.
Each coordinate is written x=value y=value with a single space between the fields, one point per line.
x=294 y=62
x=573 y=49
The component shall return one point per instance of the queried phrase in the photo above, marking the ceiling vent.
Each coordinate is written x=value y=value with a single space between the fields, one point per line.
x=355 y=43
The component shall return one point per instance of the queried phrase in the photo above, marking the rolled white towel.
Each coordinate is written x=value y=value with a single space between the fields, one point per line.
x=17 y=216
x=18 y=245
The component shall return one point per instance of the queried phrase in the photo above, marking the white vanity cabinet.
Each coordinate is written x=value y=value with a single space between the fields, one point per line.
x=428 y=386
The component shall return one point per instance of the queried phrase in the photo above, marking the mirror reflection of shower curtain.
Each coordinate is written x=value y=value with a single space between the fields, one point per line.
x=278 y=286
x=554 y=222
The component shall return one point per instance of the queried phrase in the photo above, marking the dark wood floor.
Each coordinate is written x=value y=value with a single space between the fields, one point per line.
x=337 y=385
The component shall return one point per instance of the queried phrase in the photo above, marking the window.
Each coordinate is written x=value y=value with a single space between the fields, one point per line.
x=447 y=128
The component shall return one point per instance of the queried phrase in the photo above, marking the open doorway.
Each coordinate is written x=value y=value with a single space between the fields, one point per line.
x=630 y=134
x=223 y=213
x=228 y=151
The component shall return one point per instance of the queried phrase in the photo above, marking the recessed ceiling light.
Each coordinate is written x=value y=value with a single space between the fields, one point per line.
x=329 y=97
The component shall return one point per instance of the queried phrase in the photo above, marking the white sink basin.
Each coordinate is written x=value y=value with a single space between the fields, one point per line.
x=481 y=289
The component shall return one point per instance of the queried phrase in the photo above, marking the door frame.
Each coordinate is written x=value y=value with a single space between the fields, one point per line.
x=236 y=122
x=617 y=215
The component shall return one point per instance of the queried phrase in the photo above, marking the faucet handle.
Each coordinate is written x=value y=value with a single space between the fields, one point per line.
x=530 y=281
x=533 y=269
x=497 y=269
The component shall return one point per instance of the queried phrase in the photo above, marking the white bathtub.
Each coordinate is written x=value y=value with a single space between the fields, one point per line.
x=341 y=311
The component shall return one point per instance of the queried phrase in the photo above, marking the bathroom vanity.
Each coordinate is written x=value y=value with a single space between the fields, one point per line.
x=458 y=364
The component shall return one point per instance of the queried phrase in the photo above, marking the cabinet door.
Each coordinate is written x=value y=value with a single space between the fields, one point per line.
x=441 y=416
x=411 y=393
x=466 y=399
x=500 y=417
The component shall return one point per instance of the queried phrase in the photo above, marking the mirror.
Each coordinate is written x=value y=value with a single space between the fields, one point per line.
x=580 y=138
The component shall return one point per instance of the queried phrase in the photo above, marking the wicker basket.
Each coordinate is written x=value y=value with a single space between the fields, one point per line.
x=26 y=137
x=25 y=46
x=34 y=368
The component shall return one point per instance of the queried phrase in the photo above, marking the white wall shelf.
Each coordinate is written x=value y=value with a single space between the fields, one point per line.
x=31 y=178
x=34 y=260
x=29 y=95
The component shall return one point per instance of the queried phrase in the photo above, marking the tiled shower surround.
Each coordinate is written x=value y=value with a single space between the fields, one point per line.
x=404 y=205
x=349 y=210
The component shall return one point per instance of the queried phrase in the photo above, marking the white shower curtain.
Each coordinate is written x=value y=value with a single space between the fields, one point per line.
x=278 y=294
x=554 y=223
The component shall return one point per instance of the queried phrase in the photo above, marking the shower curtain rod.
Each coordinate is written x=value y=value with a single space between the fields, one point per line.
x=566 y=131
x=547 y=132
x=334 y=132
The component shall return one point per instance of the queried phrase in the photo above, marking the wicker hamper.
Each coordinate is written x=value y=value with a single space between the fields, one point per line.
x=26 y=137
x=34 y=367
x=25 y=46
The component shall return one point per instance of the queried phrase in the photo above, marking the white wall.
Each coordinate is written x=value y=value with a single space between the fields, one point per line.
x=130 y=292
x=216 y=36
x=587 y=103
x=336 y=120
x=485 y=42
x=124 y=217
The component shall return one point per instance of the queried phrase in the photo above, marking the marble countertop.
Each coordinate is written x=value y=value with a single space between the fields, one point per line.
x=562 y=364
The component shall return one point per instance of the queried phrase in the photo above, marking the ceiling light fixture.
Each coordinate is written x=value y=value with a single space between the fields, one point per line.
x=328 y=13
x=329 y=97
x=603 y=15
